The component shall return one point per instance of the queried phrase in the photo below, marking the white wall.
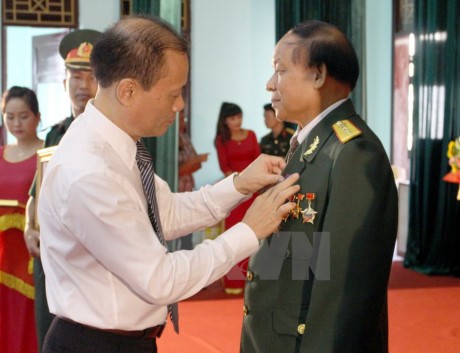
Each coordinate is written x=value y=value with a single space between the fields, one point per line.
x=93 y=14
x=379 y=48
x=98 y=14
x=19 y=57
x=231 y=50
x=19 y=73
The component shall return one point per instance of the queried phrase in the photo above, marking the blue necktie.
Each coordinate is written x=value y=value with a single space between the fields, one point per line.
x=144 y=162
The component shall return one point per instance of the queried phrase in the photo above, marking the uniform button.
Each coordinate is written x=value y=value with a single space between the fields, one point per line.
x=301 y=329
x=245 y=310
x=249 y=276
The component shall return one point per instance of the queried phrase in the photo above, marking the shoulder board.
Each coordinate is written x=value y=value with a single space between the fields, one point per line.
x=11 y=203
x=345 y=130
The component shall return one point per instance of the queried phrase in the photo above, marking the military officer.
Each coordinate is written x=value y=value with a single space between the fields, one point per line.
x=275 y=143
x=319 y=285
x=75 y=48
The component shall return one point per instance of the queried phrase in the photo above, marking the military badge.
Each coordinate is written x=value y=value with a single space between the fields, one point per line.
x=312 y=147
x=345 y=130
x=296 y=211
x=84 y=50
x=75 y=48
x=309 y=214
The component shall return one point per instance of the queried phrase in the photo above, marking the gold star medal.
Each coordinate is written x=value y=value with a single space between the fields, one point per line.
x=309 y=214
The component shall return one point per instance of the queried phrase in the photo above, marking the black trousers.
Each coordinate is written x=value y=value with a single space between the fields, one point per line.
x=67 y=337
x=43 y=318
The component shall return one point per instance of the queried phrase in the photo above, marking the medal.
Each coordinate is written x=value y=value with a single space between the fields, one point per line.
x=290 y=199
x=309 y=214
x=295 y=212
x=297 y=209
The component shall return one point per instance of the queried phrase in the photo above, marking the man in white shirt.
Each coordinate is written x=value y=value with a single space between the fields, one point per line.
x=110 y=280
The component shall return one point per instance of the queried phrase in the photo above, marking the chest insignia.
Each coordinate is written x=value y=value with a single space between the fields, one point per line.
x=345 y=130
x=312 y=147
x=308 y=214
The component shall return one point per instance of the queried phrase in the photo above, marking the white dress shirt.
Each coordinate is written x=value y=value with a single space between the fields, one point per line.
x=104 y=265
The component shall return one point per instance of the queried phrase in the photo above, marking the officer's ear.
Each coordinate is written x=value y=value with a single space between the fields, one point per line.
x=126 y=89
x=320 y=74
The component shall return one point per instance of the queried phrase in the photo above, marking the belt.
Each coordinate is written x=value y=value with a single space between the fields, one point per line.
x=151 y=332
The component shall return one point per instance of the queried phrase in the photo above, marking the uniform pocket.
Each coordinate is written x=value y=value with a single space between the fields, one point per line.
x=286 y=330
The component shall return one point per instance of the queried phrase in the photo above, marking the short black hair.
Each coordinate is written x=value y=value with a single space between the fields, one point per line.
x=323 y=43
x=135 y=47
x=268 y=106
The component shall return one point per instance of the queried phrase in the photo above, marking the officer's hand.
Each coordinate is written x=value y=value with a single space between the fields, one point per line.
x=264 y=171
x=270 y=208
x=32 y=239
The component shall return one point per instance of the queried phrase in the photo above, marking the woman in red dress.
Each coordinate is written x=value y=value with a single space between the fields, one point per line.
x=236 y=149
x=18 y=163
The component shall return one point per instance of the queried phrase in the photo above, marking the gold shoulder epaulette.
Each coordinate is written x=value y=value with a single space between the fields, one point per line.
x=345 y=130
x=11 y=203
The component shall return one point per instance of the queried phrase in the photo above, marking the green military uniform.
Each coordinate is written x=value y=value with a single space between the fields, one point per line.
x=295 y=302
x=43 y=317
x=276 y=146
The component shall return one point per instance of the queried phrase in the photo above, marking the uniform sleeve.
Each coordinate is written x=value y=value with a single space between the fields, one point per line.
x=222 y=156
x=346 y=310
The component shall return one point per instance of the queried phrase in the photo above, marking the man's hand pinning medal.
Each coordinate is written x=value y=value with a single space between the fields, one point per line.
x=270 y=208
